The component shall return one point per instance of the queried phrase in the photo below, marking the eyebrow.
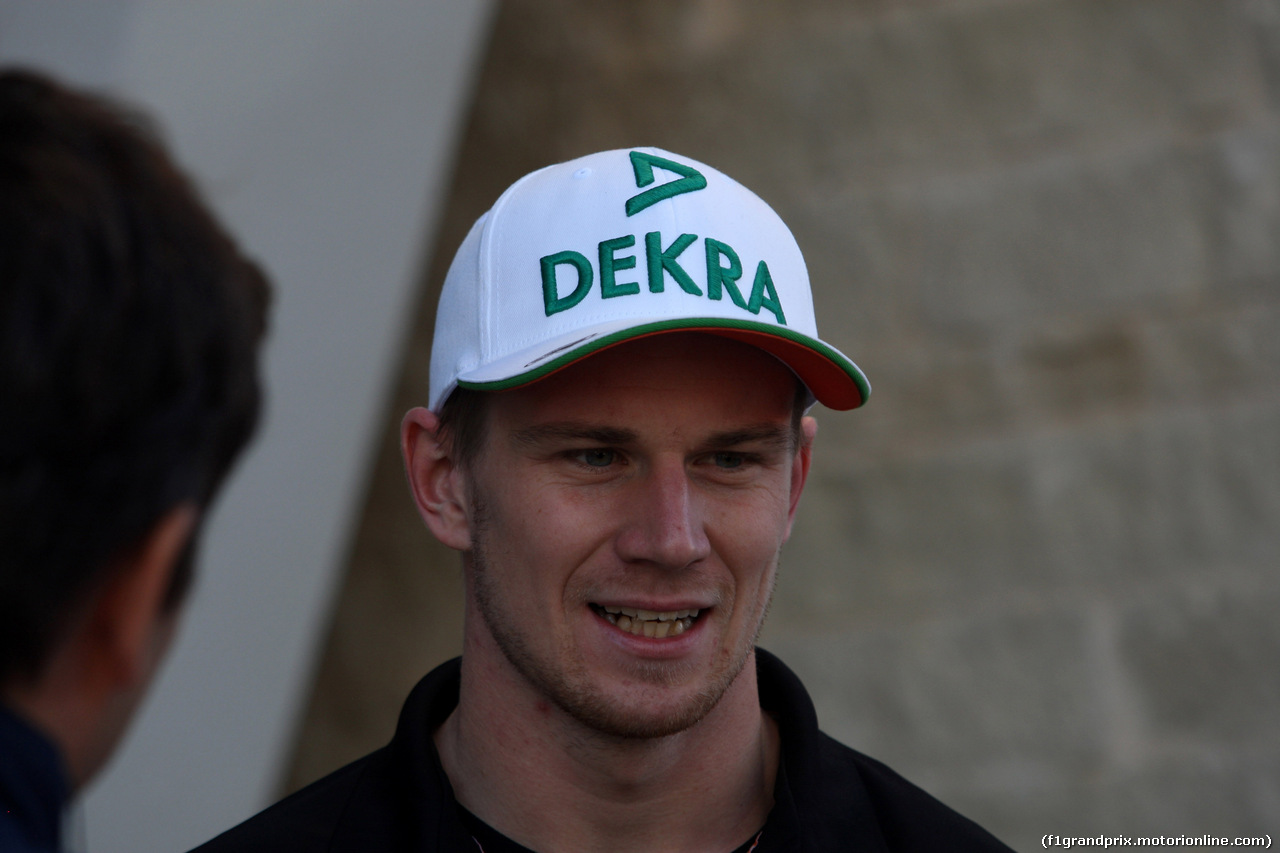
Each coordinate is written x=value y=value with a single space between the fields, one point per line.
x=569 y=431
x=773 y=436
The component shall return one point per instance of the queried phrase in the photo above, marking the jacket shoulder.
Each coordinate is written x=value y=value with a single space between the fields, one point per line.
x=909 y=818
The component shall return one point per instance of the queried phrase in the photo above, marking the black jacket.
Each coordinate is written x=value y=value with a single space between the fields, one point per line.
x=828 y=798
x=33 y=788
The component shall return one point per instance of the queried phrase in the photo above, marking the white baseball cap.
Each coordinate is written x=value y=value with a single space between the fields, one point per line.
x=584 y=255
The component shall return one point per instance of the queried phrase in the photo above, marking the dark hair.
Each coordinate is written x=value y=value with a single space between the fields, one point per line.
x=130 y=326
x=463 y=423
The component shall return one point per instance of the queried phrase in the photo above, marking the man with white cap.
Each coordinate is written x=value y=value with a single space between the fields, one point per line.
x=616 y=441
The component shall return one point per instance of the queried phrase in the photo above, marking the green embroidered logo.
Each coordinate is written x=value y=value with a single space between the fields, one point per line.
x=723 y=268
x=723 y=271
x=643 y=164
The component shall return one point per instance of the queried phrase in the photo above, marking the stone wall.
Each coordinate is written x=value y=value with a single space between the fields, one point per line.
x=1038 y=573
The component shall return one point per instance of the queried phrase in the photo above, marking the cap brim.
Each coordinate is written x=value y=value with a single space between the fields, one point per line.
x=831 y=376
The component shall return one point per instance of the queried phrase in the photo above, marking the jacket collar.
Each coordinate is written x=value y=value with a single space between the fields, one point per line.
x=811 y=789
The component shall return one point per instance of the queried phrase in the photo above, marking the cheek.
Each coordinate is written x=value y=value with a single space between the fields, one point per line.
x=748 y=544
x=752 y=521
x=542 y=539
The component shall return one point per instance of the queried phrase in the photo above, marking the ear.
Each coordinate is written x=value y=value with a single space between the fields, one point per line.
x=437 y=482
x=800 y=466
x=125 y=616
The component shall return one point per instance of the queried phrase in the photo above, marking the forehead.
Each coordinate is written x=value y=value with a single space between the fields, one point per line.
x=688 y=380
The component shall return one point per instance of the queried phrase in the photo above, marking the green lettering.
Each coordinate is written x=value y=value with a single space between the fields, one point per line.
x=642 y=164
x=550 y=298
x=763 y=295
x=609 y=266
x=718 y=275
x=659 y=260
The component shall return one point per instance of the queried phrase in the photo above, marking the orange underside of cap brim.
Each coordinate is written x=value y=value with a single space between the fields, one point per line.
x=835 y=385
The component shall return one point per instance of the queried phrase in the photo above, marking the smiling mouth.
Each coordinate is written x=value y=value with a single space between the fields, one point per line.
x=648 y=623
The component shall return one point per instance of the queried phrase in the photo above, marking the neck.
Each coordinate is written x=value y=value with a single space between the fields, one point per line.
x=546 y=781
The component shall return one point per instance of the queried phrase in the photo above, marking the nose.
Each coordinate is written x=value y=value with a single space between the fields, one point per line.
x=663 y=519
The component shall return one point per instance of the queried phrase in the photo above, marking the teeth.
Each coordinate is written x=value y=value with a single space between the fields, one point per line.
x=650 y=623
x=650 y=615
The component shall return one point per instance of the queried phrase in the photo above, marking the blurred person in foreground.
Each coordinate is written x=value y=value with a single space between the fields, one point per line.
x=616 y=440
x=130 y=327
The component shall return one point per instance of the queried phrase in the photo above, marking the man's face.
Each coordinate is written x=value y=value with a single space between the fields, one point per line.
x=626 y=519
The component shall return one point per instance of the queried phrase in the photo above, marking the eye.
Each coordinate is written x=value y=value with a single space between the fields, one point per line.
x=597 y=457
x=728 y=461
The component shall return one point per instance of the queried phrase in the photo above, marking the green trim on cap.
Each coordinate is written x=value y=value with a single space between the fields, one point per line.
x=685 y=323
